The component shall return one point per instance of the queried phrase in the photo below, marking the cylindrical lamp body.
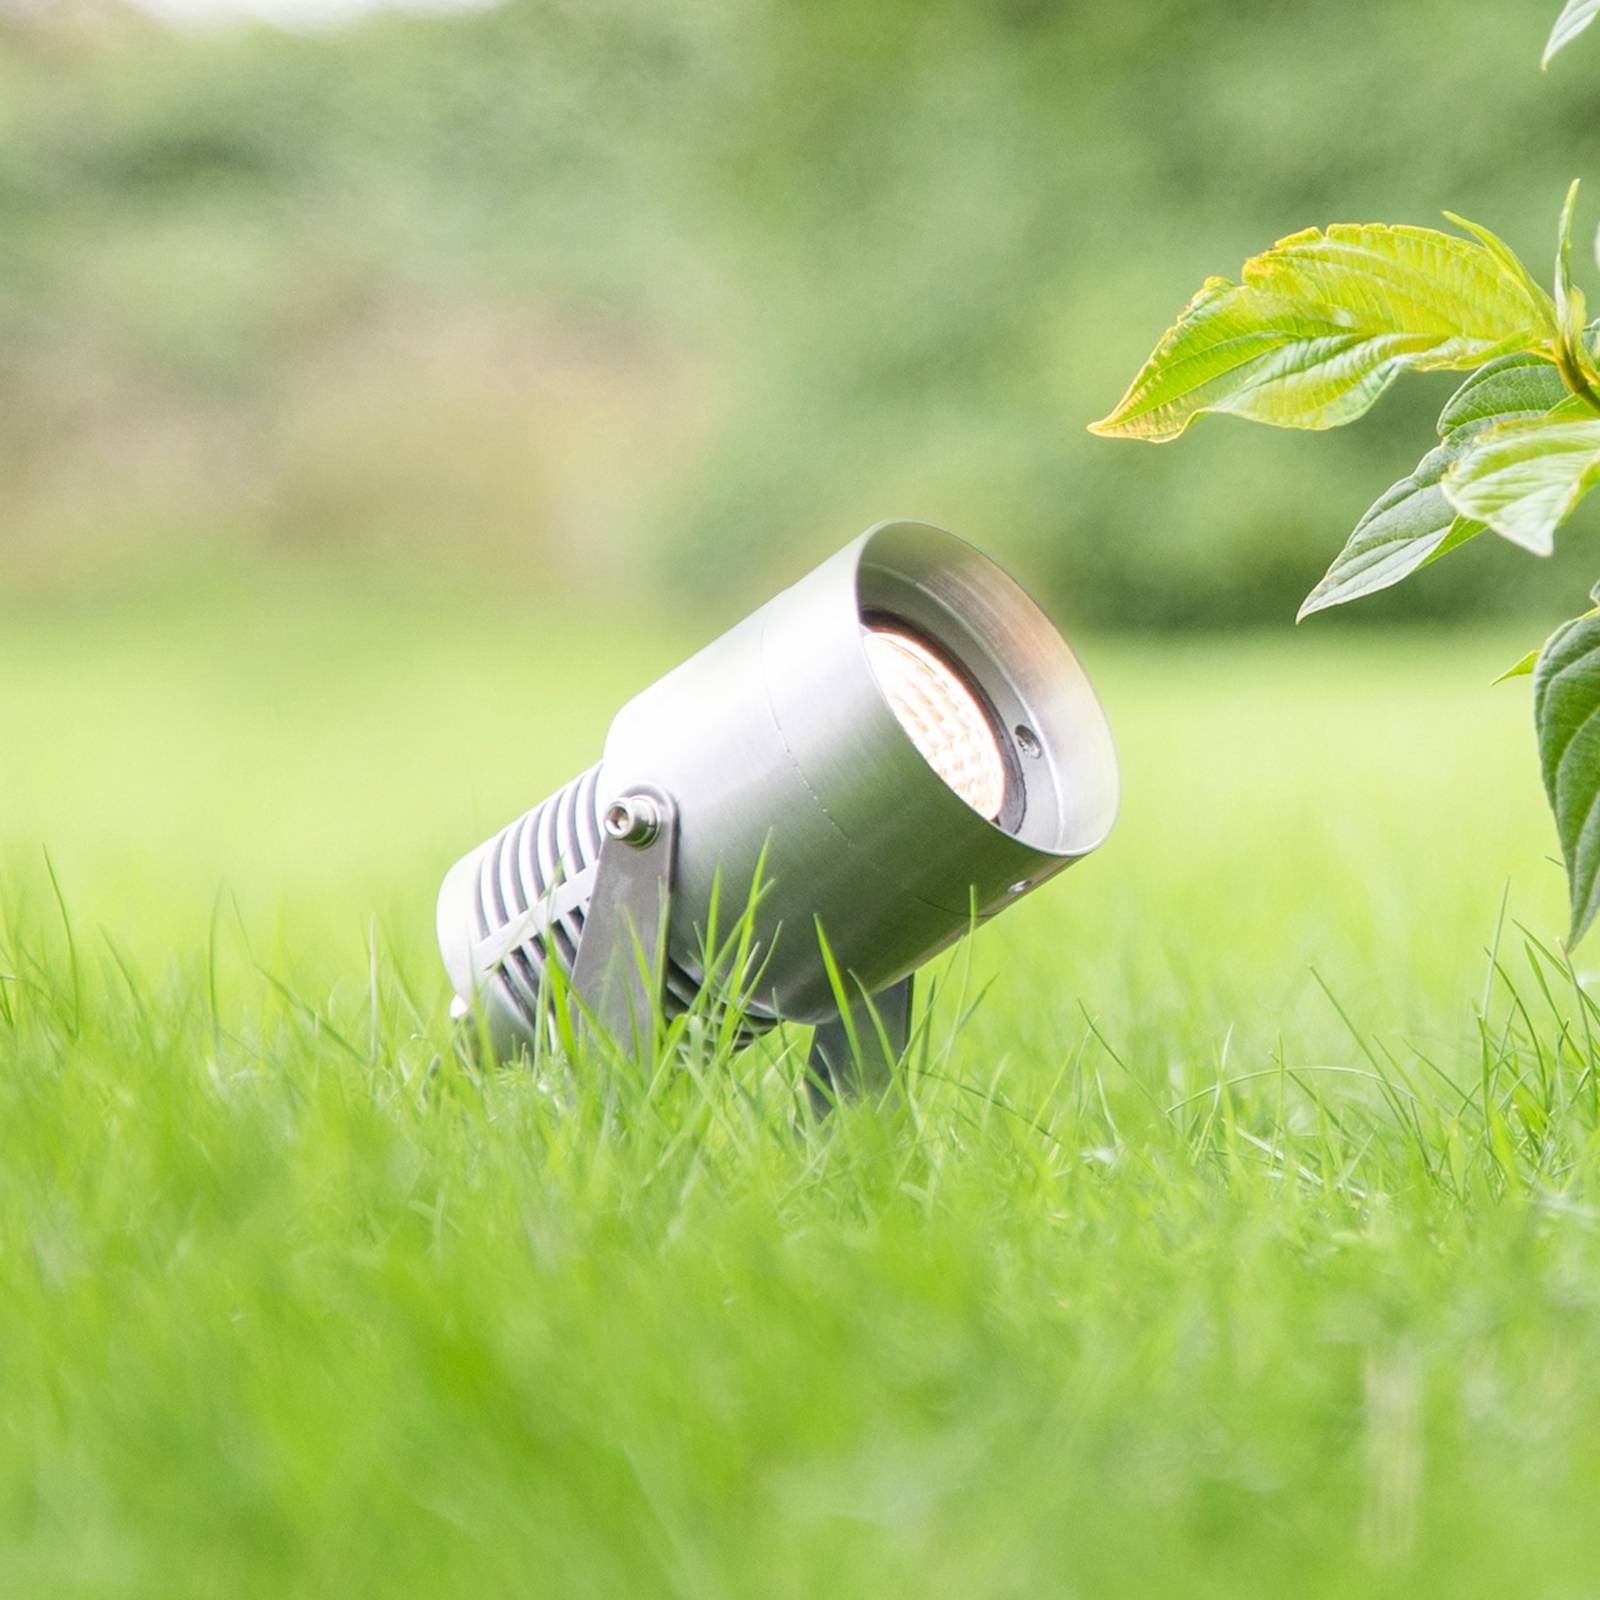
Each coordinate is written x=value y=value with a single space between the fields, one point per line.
x=780 y=749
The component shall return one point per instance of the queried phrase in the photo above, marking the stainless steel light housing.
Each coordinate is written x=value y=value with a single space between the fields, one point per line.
x=897 y=743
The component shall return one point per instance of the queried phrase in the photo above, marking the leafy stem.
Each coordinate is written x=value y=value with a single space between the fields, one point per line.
x=1573 y=360
x=1576 y=379
x=1314 y=332
x=1320 y=325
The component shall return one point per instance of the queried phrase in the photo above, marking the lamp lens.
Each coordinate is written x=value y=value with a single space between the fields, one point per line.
x=941 y=716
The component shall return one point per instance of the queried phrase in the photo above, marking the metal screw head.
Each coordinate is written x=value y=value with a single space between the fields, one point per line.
x=1027 y=740
x=632 y=819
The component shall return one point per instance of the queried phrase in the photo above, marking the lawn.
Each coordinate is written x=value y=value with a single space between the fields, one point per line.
x=1234 y=1230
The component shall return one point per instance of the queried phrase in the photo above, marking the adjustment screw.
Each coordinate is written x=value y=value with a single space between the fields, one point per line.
x=632 y=819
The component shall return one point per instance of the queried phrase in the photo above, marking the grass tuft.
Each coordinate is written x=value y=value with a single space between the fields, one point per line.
x=1232 y=1224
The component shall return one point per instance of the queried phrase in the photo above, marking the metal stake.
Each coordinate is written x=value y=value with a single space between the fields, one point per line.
x=835 y=1068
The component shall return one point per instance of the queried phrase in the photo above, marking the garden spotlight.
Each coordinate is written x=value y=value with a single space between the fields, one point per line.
x=895 y=745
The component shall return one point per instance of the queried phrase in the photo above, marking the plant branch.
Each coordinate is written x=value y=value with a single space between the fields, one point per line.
x=1575 y=378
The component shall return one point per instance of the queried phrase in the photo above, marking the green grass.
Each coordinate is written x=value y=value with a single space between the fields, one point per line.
x=1160 y=1276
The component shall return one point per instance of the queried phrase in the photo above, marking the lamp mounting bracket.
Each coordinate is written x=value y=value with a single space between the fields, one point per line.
x=619 y=974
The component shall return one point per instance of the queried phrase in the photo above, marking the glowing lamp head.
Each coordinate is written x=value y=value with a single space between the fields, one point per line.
x=941 y=716
x=898 y=741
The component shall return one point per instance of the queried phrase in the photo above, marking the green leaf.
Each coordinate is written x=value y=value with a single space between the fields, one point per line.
x=1525 y=478
x=1519 y=669
x=1569 y=297
x=1413 y=523
x=1323 y=323
x=1572 y=409
x=1566 y=714
x=1575 y=16
x=1514 y=386
x=1408 y=525
x=1502 y=252
x=1524 y=667
x=1573 y=359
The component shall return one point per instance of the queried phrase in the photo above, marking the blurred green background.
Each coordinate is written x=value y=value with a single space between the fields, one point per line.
x=380 y=406
x=615 y=299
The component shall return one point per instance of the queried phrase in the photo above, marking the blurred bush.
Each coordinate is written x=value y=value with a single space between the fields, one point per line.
x=624 y=294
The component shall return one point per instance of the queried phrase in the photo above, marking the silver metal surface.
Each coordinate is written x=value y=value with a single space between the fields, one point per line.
x=633 y=819
x=620 y=971
x=516 y=900
x=778 y=747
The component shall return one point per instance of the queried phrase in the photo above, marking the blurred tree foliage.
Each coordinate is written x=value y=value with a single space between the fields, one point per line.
x=621 y=292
